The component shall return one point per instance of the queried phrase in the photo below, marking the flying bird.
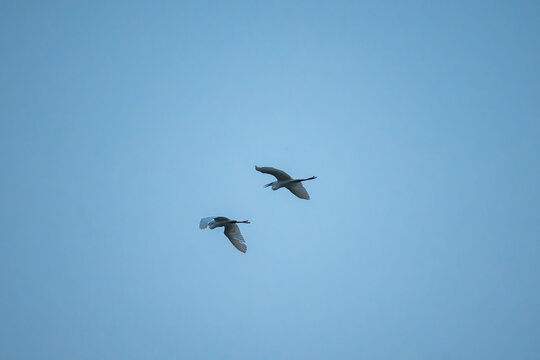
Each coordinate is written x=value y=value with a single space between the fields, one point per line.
x=284 y=180
x=232 y=231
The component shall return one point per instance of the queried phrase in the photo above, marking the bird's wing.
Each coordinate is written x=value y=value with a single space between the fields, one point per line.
x=279 y=174
x=221 y=218
x=205 y=221
x=232 y=231
x=298 y=189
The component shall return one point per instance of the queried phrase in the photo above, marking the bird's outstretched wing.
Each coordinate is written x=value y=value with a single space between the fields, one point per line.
x=279 y=174
x=232 y=231
x=205 y=221
x=298 y=189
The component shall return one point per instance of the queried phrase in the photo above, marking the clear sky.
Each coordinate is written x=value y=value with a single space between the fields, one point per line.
x=123 y=123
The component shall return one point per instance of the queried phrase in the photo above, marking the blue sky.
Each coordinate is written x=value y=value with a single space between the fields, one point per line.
x=121 y=125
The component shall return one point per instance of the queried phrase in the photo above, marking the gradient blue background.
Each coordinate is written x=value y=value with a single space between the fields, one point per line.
x=122 y=124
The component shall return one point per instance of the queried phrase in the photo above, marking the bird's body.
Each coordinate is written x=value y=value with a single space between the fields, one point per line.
x=284 y=180
x=232 y=231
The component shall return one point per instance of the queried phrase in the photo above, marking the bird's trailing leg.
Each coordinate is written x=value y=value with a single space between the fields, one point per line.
x=269 y=184
x=311 y=178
